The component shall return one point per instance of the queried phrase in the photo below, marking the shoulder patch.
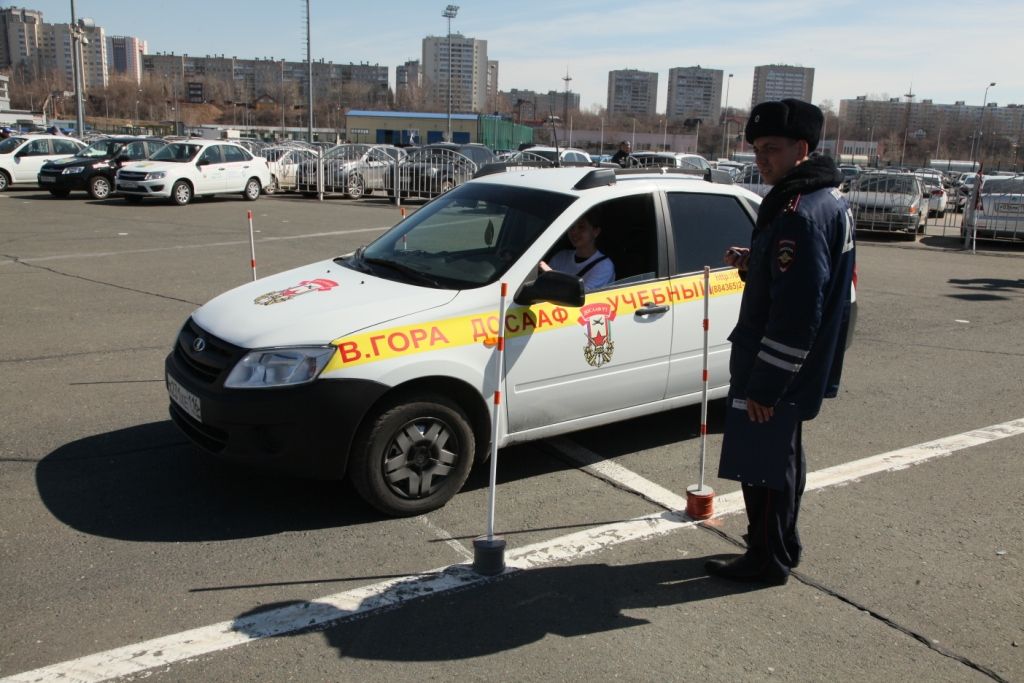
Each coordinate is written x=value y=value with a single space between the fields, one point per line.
x=836 y=193
x=793 y=204
x=785 y=254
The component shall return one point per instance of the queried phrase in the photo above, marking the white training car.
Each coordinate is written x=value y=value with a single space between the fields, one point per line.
x=21 y=156
x=183 y=170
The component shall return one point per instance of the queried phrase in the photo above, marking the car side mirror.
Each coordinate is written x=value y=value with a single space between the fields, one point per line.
x=554 y=287
x=201 y=163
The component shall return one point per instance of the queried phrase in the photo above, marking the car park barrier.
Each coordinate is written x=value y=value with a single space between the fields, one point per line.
x=428 y=172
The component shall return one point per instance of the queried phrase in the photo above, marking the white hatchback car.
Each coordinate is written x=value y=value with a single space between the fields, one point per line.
x=378 y=365
x=21 y=156
x=182 y=170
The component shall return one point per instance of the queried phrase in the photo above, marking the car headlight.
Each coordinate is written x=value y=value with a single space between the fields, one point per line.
x=278 y=367
x=72 y=169
x=156 y=175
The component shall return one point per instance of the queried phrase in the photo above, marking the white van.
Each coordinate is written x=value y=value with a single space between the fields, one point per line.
x=379 y=365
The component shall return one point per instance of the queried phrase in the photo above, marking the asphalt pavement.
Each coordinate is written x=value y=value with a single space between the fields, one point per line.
x=124 y=552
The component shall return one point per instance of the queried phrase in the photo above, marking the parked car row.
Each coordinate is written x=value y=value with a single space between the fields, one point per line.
x=134 y=167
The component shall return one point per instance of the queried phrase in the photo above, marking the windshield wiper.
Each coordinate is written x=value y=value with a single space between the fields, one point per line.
x=404 y=269
x=355 y=260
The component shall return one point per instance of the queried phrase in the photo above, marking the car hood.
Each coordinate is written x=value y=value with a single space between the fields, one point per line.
x=75 y=161
x=880 y=199
x=312 y=305
x=152 y=166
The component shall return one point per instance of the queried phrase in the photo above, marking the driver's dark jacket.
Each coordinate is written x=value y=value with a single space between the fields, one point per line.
x=789 y=341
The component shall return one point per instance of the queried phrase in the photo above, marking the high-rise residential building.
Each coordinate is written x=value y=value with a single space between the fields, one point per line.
x=694 y=93
x=34 y=47
x=124 y=56
x=468 y=68
x=58 y=55
x=21 y=39
x=230 y=79
x=632 y=92
x=779 y=81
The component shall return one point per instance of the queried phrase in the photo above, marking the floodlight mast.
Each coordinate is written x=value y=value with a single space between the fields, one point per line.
x=449 y=13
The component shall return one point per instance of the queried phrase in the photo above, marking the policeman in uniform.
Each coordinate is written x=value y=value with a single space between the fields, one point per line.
x=789 y=341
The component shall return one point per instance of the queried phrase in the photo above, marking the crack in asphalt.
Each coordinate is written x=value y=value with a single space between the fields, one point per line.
x=800 y=576
x=18 y=260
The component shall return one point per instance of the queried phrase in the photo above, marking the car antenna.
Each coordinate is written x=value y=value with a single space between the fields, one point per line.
x=552 y=119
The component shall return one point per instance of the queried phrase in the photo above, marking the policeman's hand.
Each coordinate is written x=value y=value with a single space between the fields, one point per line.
x=544 y=266
x=737 y=257
x=758 y=412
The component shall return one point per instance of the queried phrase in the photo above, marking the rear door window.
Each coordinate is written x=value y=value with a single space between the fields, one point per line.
x=703 y=227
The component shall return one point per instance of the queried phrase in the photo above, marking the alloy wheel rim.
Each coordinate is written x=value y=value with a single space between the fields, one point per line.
x=419 y=458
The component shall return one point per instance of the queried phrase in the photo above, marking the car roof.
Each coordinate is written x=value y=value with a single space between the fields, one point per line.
x=565 y=180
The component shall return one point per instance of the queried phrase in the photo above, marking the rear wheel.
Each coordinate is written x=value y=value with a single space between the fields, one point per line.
x=271 y=187
x=181 y=193
x=252 y=189
x=413 y=455
x=99 y=187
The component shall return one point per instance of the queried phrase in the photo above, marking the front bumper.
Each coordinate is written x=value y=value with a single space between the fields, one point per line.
x=884 y=221
x=64 y=182
x=305 y=430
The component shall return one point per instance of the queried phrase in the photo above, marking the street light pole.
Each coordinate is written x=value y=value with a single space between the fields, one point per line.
x=76 y=64
x=449 y=13
x=725 y=120
x=981 y=124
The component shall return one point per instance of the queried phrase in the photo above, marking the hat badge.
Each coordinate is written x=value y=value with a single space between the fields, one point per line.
x=757 y=119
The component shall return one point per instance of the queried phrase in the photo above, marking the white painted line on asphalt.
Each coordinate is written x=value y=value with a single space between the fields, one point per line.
x=448 y=539
x=617 y=474
x=182 y=247
x=164 y=651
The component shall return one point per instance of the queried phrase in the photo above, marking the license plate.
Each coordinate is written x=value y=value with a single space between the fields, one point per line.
x=47 y=179
x=127 y=185
x=1009 y=208
x=185 y=399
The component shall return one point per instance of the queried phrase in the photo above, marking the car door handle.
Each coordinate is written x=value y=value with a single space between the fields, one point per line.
x=650 y=309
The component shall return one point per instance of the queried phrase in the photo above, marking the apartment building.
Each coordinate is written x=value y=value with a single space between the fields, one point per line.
x=779 y=81
x=694 y=93
x=631 y=91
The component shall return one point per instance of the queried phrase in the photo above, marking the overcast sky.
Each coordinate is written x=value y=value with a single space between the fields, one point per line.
x=944 y=51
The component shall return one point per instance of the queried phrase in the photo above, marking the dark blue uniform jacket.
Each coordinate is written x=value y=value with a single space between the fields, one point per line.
x=789 y=342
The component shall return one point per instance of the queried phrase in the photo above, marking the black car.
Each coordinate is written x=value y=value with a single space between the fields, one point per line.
x=92 y=170
x=435 y=169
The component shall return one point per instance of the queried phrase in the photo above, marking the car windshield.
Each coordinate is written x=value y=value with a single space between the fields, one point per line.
x=891 y=184
x=177 y=151
x=101 y=148
x=10 y=144
x=466 y=238
x=1004 y=186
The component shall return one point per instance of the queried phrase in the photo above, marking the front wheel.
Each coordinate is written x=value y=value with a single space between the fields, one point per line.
x=413 y=456
x=354 y=187
x=181 y=193
x=271 y=187
x=252 y=189
x=5 y=181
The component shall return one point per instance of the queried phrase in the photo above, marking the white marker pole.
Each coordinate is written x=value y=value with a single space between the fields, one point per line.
x=489 y=550
x=252 y=249
x=700 y=498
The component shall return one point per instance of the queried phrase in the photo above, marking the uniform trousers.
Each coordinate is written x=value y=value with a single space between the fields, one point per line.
x=772 y=536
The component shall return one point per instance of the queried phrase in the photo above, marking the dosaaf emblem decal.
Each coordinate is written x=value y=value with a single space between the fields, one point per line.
x=304 y=287
x=785 y=253
x=597 y=320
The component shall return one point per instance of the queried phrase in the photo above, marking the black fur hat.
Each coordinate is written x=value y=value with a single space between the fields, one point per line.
x=787 y=118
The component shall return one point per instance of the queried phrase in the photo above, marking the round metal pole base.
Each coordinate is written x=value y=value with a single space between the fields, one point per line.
x=489 y=555
x=700 y=502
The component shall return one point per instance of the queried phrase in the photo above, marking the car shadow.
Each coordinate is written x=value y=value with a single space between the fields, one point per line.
x=148 y=483
x=499 y=615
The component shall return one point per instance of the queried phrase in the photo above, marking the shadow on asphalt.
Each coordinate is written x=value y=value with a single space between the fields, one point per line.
x=513 y=611
x=147 y=483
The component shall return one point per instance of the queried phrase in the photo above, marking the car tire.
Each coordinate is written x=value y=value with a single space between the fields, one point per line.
x=5 y=181
x=354 y=187
x=99 y=187
x=271 y=187
x=412 y=456
x=181 y=192
x=132 y=198
x=60 y=194
x=252 y=189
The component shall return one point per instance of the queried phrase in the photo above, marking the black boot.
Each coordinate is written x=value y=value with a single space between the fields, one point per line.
x=747 y=568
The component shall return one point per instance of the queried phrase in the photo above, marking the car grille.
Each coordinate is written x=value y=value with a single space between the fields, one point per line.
x=50 y=171
x=210 y=364
x=131 y=175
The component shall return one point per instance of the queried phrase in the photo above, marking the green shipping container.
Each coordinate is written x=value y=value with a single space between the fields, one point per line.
x=499 y=133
